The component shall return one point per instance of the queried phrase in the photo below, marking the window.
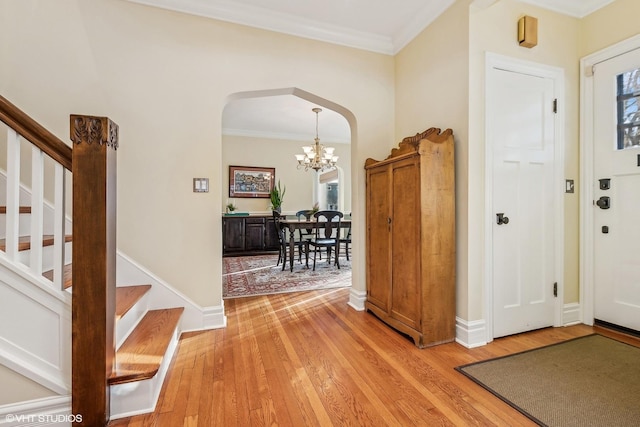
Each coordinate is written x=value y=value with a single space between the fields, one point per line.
x=628 y=84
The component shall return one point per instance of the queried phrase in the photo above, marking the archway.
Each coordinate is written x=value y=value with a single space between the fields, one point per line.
x=283 y=157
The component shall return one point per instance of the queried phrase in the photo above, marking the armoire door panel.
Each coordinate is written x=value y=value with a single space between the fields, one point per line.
x=378 y=239
x=405 y=226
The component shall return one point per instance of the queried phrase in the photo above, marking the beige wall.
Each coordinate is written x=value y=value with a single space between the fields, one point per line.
x=16 y=388
x=165 y=78
x=432 y=90
x=247 y=151
x=611 y=24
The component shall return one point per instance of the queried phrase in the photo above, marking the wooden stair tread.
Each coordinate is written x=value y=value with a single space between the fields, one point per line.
x=66 y=274
x=24 y=242
x=141 y=354
x=21 y=209
x=127 y=297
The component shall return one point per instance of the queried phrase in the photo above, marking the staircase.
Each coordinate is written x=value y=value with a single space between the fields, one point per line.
x=116 y=323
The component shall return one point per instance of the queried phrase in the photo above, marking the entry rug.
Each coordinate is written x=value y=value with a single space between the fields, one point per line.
x=259 y=275
x=587 y=381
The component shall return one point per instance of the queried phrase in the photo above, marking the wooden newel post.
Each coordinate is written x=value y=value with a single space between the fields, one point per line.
x=95 y=141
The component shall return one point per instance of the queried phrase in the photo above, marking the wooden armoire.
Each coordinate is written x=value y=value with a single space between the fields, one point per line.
x=410 y=255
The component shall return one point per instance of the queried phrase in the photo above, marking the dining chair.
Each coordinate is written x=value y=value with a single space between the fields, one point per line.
x=305 y=233
x=327 y=234
x=346 y=241
x=284 y=239
x=282 y=254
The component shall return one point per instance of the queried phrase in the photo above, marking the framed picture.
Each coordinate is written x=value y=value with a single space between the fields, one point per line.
x=251 y=182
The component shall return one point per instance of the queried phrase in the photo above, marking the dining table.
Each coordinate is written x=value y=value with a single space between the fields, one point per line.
x=294 y=224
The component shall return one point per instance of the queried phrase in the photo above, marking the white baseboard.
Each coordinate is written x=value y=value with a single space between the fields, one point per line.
x=357 y=299
x=571 y=314
x=471 y=334
x=163 y=295
x=46 y=412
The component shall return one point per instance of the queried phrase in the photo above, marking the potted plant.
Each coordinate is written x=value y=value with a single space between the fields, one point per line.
x=230 y=207
x=277 y=196
x=315 y=208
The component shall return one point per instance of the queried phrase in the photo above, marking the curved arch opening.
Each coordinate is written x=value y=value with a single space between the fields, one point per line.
x=269 y=146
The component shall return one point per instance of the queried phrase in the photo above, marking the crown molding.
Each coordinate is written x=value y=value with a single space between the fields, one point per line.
x=279 y=22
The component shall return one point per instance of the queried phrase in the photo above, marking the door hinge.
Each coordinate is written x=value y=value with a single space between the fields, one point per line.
x=555 y=289
x=555 y=105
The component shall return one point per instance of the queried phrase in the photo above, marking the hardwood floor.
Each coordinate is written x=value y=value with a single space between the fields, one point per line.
x=307 y=359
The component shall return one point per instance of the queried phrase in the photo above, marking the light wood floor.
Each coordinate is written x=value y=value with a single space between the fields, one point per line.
x=308 y=359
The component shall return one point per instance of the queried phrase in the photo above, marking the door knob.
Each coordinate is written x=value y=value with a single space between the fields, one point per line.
x=604 y=202
x=502 y=219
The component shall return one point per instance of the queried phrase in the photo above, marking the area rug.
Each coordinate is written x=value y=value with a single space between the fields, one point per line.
x=259 y=275
x=587 y=381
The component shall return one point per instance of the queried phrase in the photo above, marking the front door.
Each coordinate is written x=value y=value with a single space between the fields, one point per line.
x=616 y=190
x=521 y=142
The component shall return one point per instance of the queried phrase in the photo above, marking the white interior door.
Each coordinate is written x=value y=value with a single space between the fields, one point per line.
x=521 y=142
x=616 y=190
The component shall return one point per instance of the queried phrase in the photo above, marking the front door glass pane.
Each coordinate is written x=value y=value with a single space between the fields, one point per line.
x=628 y=109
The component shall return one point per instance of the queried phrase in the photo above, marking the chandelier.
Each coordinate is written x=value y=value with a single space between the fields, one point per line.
x=317 y=156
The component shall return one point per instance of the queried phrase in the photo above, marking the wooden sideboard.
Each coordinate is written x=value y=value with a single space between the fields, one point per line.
x=248 y=235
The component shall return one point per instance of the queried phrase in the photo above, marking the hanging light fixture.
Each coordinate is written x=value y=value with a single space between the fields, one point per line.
x=317 y=156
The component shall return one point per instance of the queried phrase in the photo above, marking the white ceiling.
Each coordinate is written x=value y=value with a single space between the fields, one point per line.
x=383 y=26
x=285 y=117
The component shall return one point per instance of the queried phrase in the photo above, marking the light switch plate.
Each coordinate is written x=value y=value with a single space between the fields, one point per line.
x=568 y=186
x=200 y=185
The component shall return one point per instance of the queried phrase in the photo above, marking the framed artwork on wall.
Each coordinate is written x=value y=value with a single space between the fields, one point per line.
x=251 y=181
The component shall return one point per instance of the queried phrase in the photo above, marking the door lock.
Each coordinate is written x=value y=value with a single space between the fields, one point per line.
x=605 y=183
x=604 y=202
x=502 y=219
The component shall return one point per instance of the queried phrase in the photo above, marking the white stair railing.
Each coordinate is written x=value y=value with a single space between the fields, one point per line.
x=30 y=217
x=30 y=301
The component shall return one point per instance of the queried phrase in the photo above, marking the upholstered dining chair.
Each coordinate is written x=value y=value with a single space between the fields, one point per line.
x=327 y=235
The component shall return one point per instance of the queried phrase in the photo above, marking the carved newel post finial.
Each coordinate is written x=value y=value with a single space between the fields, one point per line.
x=91 y=129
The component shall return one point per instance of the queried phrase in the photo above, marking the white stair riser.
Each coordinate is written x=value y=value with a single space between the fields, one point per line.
x=128 y=322
x=140 y=397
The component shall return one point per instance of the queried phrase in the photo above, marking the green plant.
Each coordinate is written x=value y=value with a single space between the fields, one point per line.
x=230 y=207
x=277 y=195
x=315 y=208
